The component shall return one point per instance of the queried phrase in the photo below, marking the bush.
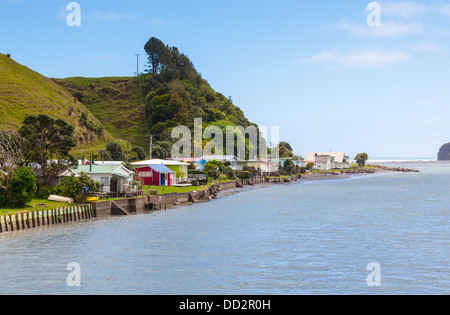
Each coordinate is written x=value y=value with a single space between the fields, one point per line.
x=43 y=192
x=243 y=174
x=22 y=187
x=251 y=169
x=77 y=188
x=195 y=183
x=214 y=174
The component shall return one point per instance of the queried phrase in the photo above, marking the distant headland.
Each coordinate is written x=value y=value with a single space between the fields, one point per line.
x=444 y=153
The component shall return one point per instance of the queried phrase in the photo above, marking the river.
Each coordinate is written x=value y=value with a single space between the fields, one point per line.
x=313 y=237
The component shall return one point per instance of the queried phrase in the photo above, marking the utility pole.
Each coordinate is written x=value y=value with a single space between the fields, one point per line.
x=137 y=67
x=151 y=146
x=128 y=150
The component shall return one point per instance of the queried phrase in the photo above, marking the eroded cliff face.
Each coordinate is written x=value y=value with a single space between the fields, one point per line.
x=444 y=152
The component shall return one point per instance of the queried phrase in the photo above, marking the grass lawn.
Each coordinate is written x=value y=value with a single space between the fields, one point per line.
x=34 y=205
x=170 y=189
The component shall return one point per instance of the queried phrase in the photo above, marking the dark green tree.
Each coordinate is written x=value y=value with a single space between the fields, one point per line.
x=361 y=159
x=47 y=144
x=156 y=50
x=115 y=151
x=23 y=186
x=139 y=153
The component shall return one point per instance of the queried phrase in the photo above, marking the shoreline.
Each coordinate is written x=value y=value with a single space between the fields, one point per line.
x=153 y=203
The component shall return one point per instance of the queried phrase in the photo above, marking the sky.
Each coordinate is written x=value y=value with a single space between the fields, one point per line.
x=321 y=71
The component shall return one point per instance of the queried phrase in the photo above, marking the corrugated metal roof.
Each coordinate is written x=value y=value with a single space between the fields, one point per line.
x=99 y=169
x=161 y=168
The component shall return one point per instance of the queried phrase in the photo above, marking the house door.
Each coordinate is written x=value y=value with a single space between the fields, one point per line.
x=114 y=185
x=163 y=180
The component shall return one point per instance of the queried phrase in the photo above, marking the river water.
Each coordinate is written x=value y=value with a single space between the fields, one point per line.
x=304 y=238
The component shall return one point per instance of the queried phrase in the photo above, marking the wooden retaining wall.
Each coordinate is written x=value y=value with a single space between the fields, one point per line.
x=30 y=220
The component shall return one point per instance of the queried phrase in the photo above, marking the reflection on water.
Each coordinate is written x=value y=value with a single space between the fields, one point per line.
x=305 y=238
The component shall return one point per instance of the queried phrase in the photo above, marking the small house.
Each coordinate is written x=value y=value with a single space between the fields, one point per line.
x=156 y=175
x=112 y=178
x=179 y=168
x=328 y=160
x=223 y=158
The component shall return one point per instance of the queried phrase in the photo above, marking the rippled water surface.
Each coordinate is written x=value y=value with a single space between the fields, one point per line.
x=304 y=238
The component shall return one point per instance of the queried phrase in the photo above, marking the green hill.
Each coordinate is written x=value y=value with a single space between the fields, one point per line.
x=155 y=102
x=25 y=92
x=173 y=93
x=117 y=103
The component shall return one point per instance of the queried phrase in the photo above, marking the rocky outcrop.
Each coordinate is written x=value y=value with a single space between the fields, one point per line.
x=444 y=153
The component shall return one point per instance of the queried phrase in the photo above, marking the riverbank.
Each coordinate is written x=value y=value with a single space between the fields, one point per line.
x=158 y=202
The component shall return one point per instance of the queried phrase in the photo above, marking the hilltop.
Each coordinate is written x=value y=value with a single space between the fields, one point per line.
x=170 y=94
x=173 y=93
x=25 y=92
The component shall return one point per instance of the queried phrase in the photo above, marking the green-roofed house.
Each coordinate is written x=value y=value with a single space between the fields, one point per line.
x=111 y=177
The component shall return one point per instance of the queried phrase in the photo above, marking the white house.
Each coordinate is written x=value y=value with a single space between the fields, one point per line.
x=328 y=160
x=111 y=177
x=223 y=158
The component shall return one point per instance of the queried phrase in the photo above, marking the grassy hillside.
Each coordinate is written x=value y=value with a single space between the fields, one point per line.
x=25 y=92
x=118 y=108
x=117 y=103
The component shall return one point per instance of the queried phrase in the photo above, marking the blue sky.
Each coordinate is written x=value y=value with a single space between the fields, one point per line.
x=314 y=68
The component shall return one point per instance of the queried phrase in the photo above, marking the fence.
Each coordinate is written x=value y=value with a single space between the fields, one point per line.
x=29 y=220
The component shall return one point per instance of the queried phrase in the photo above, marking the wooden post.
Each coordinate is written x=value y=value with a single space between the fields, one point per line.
x=11 y=222
x=6 y=223
x=17 y=221
x=23 y=220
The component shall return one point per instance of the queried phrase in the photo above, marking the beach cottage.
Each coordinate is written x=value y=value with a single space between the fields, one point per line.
x=223 y=158
x=179 y=168
x=328 y=160
x=156 y=175
x=112 y=178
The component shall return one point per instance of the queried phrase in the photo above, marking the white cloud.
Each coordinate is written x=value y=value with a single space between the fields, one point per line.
x=445 y=10
x=405 y=9
x=361 y=58
x=386 y=30
x=426 y=45
x=109 y=16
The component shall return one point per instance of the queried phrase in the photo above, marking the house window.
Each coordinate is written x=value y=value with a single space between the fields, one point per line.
x=104 y=181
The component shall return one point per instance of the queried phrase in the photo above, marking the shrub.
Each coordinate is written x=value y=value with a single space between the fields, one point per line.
x=214 y=174
x=195 y=183
x=243 y=174
x=22 y=187
x=251 y=169
x=77 y=188
x=43 y=192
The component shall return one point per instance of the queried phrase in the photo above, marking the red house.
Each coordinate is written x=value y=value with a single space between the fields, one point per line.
x=156 y=175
